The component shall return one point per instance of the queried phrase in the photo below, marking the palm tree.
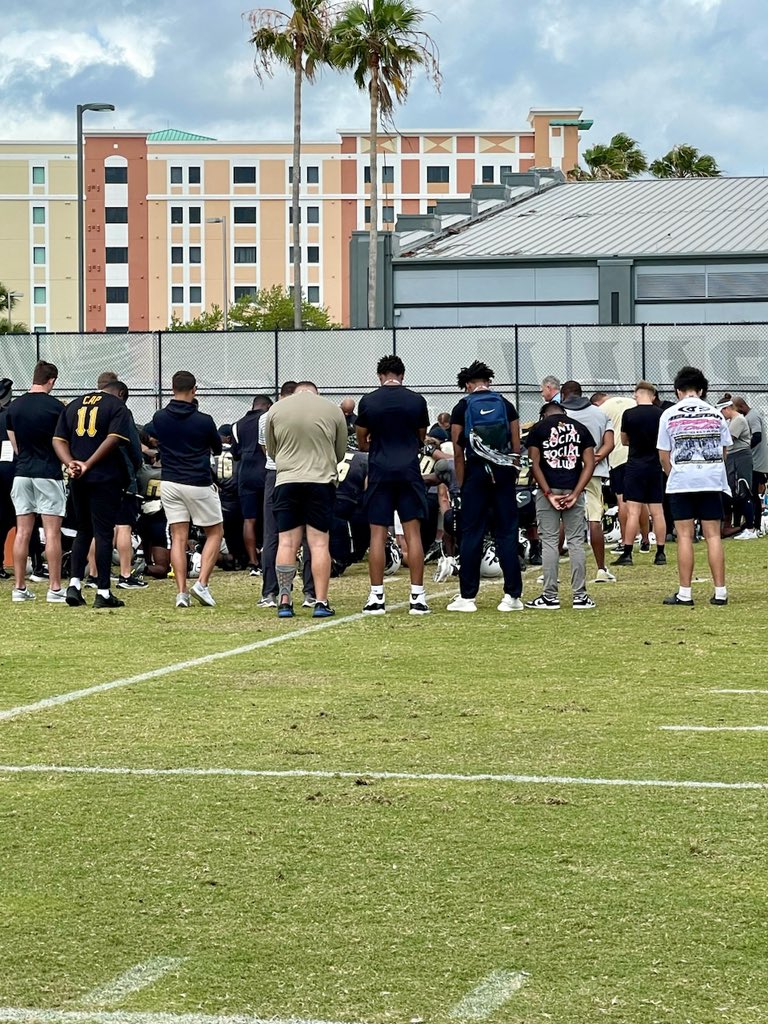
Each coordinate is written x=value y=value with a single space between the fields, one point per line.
x=298 y=40
x=7 y=299
x=382 y=42
x=684 y=161
x=621 y=158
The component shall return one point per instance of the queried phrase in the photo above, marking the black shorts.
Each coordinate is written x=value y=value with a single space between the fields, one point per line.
x=251 y=503
x=128 y=513
x=383 y=499
x=696 y=505
x=644 y=483
x=153 y=530
x=297 y=505
x=617 y=479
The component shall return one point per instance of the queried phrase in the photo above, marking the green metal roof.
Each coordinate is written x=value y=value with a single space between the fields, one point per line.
x=567 y=123
x=174 y=135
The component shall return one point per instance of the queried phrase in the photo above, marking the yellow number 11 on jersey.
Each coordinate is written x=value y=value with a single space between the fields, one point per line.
x=84 y=413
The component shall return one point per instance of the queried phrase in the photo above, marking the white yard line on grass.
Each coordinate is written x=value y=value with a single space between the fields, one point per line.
x=490 y=994
x=308 y=773
x=134 y=980
x=739 y=691
x=23 y=1015
x=714 y=728
x=181 y=666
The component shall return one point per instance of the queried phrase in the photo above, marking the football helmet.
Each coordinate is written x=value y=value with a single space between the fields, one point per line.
x=490 y=567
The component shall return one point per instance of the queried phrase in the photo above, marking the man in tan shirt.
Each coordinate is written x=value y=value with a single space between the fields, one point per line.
x=307 y=438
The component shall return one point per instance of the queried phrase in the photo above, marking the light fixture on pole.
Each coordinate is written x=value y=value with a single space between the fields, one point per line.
x=224 y=263
x=11 y=298
x=81 y=107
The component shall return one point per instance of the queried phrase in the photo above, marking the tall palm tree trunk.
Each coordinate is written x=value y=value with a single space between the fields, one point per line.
x=296 y=187
x=373 y=234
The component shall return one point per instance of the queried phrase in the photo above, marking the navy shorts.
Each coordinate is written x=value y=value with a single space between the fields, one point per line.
x=130 y=507
x=153 y=529
x=296 y=505
x=696 y=505
x=251 y=503
x=644 y=483
x=383 y=499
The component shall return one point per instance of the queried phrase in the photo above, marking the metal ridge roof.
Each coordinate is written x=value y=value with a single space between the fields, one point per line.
x=643 y=216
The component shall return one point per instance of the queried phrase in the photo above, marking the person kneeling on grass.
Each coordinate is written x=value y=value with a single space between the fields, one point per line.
x=562 y=454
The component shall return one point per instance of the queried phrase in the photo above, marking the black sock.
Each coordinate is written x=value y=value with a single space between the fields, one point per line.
x=627 y=550
x=659 y=549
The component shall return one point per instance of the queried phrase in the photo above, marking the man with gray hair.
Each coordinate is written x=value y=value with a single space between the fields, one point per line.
x=550 y=389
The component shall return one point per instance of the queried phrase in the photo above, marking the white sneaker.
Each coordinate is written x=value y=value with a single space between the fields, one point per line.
x=604 y=576
x=746 y=535
x=202 y=594
x=267 y=602
x=20 y=596
x=183 y=601
x=510 y=604
x=309 y=602
x=446 y=567
x=56 y=596
x=462 y=604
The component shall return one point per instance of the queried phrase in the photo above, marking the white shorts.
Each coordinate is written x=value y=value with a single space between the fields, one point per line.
x=184 y=503
x=39 y=496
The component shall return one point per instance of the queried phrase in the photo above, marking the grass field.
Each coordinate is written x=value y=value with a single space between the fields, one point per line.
x=357 y=897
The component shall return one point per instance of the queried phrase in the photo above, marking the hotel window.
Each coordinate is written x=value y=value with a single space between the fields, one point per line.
x=245 y=254
x=177 y=295
x=177 y=176
x=388 y=214
x=196 y=294
x=115 y=175
x=438 y=175
x=39 y=295
x=116 y=254
x=177 y=254
x=38 y=254
x=38 y=175
x=245 y=215
x=503 y=171
x=387 y=175
x=117 y=294
x=313 y=293
x=41 y=330
x=38 y=215
x=116 y=214
x=312 y=175
x=487 y=176
x=195 y=254
x=313 y=215
x=195 y=214
x=194 y=176
x=117 y=330
x=246 y=291
x=244 y=175
x=313 y=254
x=177 y=215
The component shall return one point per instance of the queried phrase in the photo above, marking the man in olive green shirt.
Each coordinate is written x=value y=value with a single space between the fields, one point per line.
x=307 y=438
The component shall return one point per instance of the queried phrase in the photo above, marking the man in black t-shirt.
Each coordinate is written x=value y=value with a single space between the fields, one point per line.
x=643 y=475
x=88 y=437
x=562 y=455
x=7 y=470
x=38 y=487
x=391 y=425
x=488 y=498
x=251 y=479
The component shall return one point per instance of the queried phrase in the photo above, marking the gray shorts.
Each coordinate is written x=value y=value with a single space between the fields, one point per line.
x=38 y=496
x=184 y=503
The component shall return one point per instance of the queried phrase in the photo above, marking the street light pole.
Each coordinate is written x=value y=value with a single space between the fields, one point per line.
x=224 y=264
x=81 y=210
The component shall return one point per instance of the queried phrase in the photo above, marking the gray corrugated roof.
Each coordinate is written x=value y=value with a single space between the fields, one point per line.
x=642 y=217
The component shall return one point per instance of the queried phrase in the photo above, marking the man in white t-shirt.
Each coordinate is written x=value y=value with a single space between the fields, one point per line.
x=693 y=440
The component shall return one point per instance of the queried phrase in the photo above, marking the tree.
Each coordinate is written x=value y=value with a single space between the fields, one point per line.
x=14 y=328
x=207 y=321
x=7 y=304
x=271 y=309
x=300 y=41
x=684 y=161
x=382 y=42
x=621 y=158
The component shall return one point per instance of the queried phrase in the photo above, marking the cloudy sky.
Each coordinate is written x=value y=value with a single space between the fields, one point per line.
x=666 y=71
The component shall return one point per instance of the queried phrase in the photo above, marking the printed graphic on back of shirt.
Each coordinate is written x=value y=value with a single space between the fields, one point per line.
x=696 y=436
x=561 y=449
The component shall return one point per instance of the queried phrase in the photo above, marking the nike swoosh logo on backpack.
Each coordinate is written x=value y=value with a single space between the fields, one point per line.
x=485 y=412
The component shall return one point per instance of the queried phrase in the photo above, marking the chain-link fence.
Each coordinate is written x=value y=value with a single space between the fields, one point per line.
x=232 y=367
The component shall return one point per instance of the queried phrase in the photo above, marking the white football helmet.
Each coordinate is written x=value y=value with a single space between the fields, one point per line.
x=394 y=558
x=490 y=567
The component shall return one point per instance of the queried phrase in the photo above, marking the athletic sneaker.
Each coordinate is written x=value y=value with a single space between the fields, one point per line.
x=202 y=594
x=604 y=576
x=542 y=603
x=74 y=597
x=434 y=553
x=285 y=611
x=309 y=602
x=39 y=575
x=267 y=602
x=418 y=606
x=645 y=546
x=131 y=583
x=660 y=559
x=254 y=570
x=374 y=606
x=744 y=535
x=623 y=560
x=462 y=604
x=582 y=603
x=322 y=610
x=20 y=596
x=4 y=574
x=675 y=599
x=91 y=583
x=510 y=604
x=108 y=602
x=718 y=600
x=56 y=596
x=183 y=600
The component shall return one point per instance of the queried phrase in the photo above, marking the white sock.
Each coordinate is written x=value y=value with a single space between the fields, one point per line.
x=684 y=593
x=416 y=591
x=103 y=593
x=721 y=593
x=377 y=592
x=76 y=582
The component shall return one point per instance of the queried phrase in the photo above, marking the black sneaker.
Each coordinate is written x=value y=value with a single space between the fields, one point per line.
x=91 y=583
x=645 y=546
x=584 y=602
x=543 y=603
x=39 y=574
x=322 y=610
x=660 y=559
x=74 y=597
x=254 y=570
x=4 y=574
x=374 y=607
x=623 y=560
x=131 y=583
x=718 y=600
x=418 y=606
x=107 y=602
x=674 y=599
